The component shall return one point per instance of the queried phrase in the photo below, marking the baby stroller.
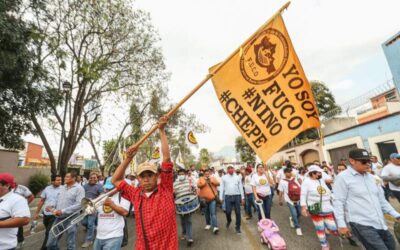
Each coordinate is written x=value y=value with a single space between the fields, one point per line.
x=269 y=231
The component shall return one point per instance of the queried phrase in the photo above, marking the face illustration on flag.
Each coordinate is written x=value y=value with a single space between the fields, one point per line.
x=264 y=90
x=156 y=155
x=190 y=138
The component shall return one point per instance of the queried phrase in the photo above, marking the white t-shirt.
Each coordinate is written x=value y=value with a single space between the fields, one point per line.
x=111 y=224
x=284 y=187
x=12 y=205
x=281 y=174
x=261 y=183
x=391 y=170
x=311 y=191
x=23 y=191
x=248 y=189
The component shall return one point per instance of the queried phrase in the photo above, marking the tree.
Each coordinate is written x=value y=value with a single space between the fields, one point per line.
x=323 y=97
x=105 y=49
x=244 y=150
x=18 y=96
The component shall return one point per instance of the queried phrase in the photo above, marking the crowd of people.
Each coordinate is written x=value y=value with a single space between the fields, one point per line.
x=348 y=200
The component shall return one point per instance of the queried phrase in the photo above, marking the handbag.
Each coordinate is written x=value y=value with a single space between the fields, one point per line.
x=316 y=208
x=216 y=198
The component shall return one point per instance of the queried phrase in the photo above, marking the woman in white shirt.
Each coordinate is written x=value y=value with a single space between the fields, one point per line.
x=261 y=183
x=315 y=201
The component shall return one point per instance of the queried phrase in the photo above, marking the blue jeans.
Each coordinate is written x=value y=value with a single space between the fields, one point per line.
x=266 y=207
x=108 y=244
x=233 y=202
x=211 y=213
x=52 y=241
x=186 y=223
x=90 y=223
x=249 y=204
x=373 y=239
x=295 y=212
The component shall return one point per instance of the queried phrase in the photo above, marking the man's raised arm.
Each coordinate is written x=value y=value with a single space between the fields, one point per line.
x=167 y=174
x=163 y=138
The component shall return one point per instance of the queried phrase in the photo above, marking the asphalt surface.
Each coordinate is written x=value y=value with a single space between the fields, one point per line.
x=226 y=238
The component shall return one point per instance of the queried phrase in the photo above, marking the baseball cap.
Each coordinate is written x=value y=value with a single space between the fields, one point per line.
x=394 y=156
x=230 y=166
x=146 y=166
x=108 y=184
x=249 y=169
x=359 y=154
x=8 y=178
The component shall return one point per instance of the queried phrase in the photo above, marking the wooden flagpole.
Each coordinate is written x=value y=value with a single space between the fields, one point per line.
x=209 y=76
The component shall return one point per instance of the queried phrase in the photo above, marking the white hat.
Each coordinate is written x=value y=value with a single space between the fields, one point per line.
x=313 y=168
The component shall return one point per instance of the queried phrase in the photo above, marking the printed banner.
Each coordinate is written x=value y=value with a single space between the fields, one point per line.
x=265 y=92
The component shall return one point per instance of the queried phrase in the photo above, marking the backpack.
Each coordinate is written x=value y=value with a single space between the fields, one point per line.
x=294 y=190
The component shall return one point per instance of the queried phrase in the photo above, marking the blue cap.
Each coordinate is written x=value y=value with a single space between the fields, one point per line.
x=394 y=156
x=108 y=184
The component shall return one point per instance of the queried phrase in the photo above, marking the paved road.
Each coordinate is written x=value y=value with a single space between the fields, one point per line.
x=227 y=239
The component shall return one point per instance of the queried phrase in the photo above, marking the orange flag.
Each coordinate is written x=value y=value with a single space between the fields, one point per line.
x=265 y=92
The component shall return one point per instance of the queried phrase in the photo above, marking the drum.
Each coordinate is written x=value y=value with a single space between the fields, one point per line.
x=187 y=203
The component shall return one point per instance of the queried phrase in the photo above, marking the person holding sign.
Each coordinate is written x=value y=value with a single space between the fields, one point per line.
x=154 y=203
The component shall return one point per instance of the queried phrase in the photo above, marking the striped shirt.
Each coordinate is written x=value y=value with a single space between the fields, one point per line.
x=183 y=187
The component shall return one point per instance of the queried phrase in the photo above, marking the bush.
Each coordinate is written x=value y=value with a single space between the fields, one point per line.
x=38 y=182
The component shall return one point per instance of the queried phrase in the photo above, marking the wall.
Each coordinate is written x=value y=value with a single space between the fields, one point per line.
x=33 y=153
x=9 y=163
x=297 y=152
x=391 y=48
x=388 y=124
x=366 y=135
x=338 y=123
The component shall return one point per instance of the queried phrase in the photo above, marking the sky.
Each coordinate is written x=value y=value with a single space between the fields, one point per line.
x=338 y=42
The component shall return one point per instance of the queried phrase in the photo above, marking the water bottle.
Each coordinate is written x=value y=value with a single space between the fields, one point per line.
x=33 y=226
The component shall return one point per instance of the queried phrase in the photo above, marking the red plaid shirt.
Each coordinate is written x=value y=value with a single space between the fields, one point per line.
x=158 y=212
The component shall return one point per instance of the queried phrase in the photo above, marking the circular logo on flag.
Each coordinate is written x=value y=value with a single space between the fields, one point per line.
x=264 y=57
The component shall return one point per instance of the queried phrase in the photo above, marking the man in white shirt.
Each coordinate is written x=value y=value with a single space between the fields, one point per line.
x=391 y=173
x=232 y=193
x=110 y=228
x=48 y=199
x=14 y=212
x=27 y=194
x=376 y=166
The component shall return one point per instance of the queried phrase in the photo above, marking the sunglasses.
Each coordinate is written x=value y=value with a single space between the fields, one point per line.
x=364 y=161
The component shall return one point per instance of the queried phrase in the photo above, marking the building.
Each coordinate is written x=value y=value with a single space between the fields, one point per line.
x=33 y=155
x=391 y=49
x=302 y=154
x=376 y=122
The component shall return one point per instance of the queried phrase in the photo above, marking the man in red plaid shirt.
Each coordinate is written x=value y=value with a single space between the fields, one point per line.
x=154 y=204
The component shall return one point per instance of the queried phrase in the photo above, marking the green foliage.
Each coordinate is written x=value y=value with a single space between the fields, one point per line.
x=38 y=182
x=323 y=97
x=278 y=164
x=19 y=92
x=244 y=150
